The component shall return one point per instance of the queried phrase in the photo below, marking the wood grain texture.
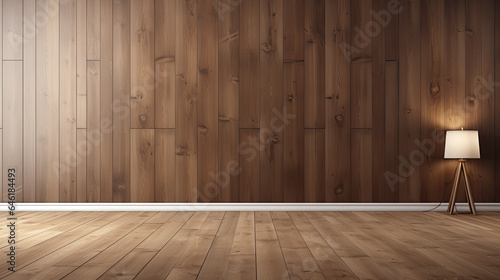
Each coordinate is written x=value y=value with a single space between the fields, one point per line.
x=67 y=85
x=361 y=162
x=223 y=78
x=314 y=165
x=249 y=164
x=271 y=100
x=378 y=106
x=106 y=105
x=391 y=24
x=497 y=103
x=293 y=135
x=94 y=131
x=142 y=61
x=228 y=141
x=211 y=85
x=29 y=96
x=93 y=30
x=293 y=30
x=13 y=126
x=409 y=99
x=432 y=97
x=81 y=165
x=186 y=97
x=142 y=176
x=121 y=100
x=455 y=77
x=473 y=108
x=81 y=63
x=12 y=30
x=361 y=93
x=47 y=106
x=249 y=58
x=1 y=56
x=164 y=165
x=318 y=245
x=314 y=63
x=337 y=102
x=487 y=99
x=164 y=39
x=391 y=174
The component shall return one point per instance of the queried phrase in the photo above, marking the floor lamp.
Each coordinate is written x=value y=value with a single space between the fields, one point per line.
x=461 y=145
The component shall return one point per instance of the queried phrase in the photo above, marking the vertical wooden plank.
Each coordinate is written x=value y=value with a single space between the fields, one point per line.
x=164 y=165
x=378 y=103
x=473 y=46
x=293 y=30
x=497 y=102
x=409 y=98
x=314 y=165
x=142 y=177
x=67 y=85
x=29 y=101
x=12 y=30
x=361 y=65
x=106 y=101
x=271 y=100
x=142 y=58
x=164 y=63
x=93 y=30
x=208 y=100
x=47 y=108
x=361 y=161
x=1 y=75
x=121 y=100
x=81 y=63
x=228 y=105
x=487 y=99
x=186 y=99
x=361 y=40
x=249 y=164
x=1 y=166
x=249 y=54
x=314 y=59
x=13 y=125
x=391 y=22
x=454 y=76
x=432 y=94
x=391 y=174
x=361 y=93
x=338 y=102
x=293 y=136
x=94 y=131
x=81 y=165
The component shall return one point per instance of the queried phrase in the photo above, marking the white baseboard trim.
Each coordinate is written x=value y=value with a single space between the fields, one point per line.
x=485 y=207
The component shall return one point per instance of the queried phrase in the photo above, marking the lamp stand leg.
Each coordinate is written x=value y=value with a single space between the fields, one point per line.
x=470 y=200
x=453 y=196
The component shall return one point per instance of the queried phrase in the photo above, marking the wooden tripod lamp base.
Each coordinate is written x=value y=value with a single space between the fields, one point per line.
x=468 y=192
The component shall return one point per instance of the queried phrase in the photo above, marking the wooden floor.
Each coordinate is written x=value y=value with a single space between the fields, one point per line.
x=254 y=245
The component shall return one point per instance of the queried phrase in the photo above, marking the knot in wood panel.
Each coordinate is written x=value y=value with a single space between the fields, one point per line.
x=180 y=151
x=339 y=189
x=339 y=117
x=121 y=186
x=267 y=47
x=290 y=97
x=276 y=139
x=223 y=118
x=203 y=130
x=435 y=89
x=143 y=118
x=469 y=33
x=472 y=100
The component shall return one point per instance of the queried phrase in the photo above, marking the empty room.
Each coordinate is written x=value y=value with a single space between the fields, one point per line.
x=249 y=139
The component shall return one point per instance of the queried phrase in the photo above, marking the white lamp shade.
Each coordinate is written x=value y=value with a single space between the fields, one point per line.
x=462 y=144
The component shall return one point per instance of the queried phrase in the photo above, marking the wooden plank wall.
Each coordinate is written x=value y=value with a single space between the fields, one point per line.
x=246 y=101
